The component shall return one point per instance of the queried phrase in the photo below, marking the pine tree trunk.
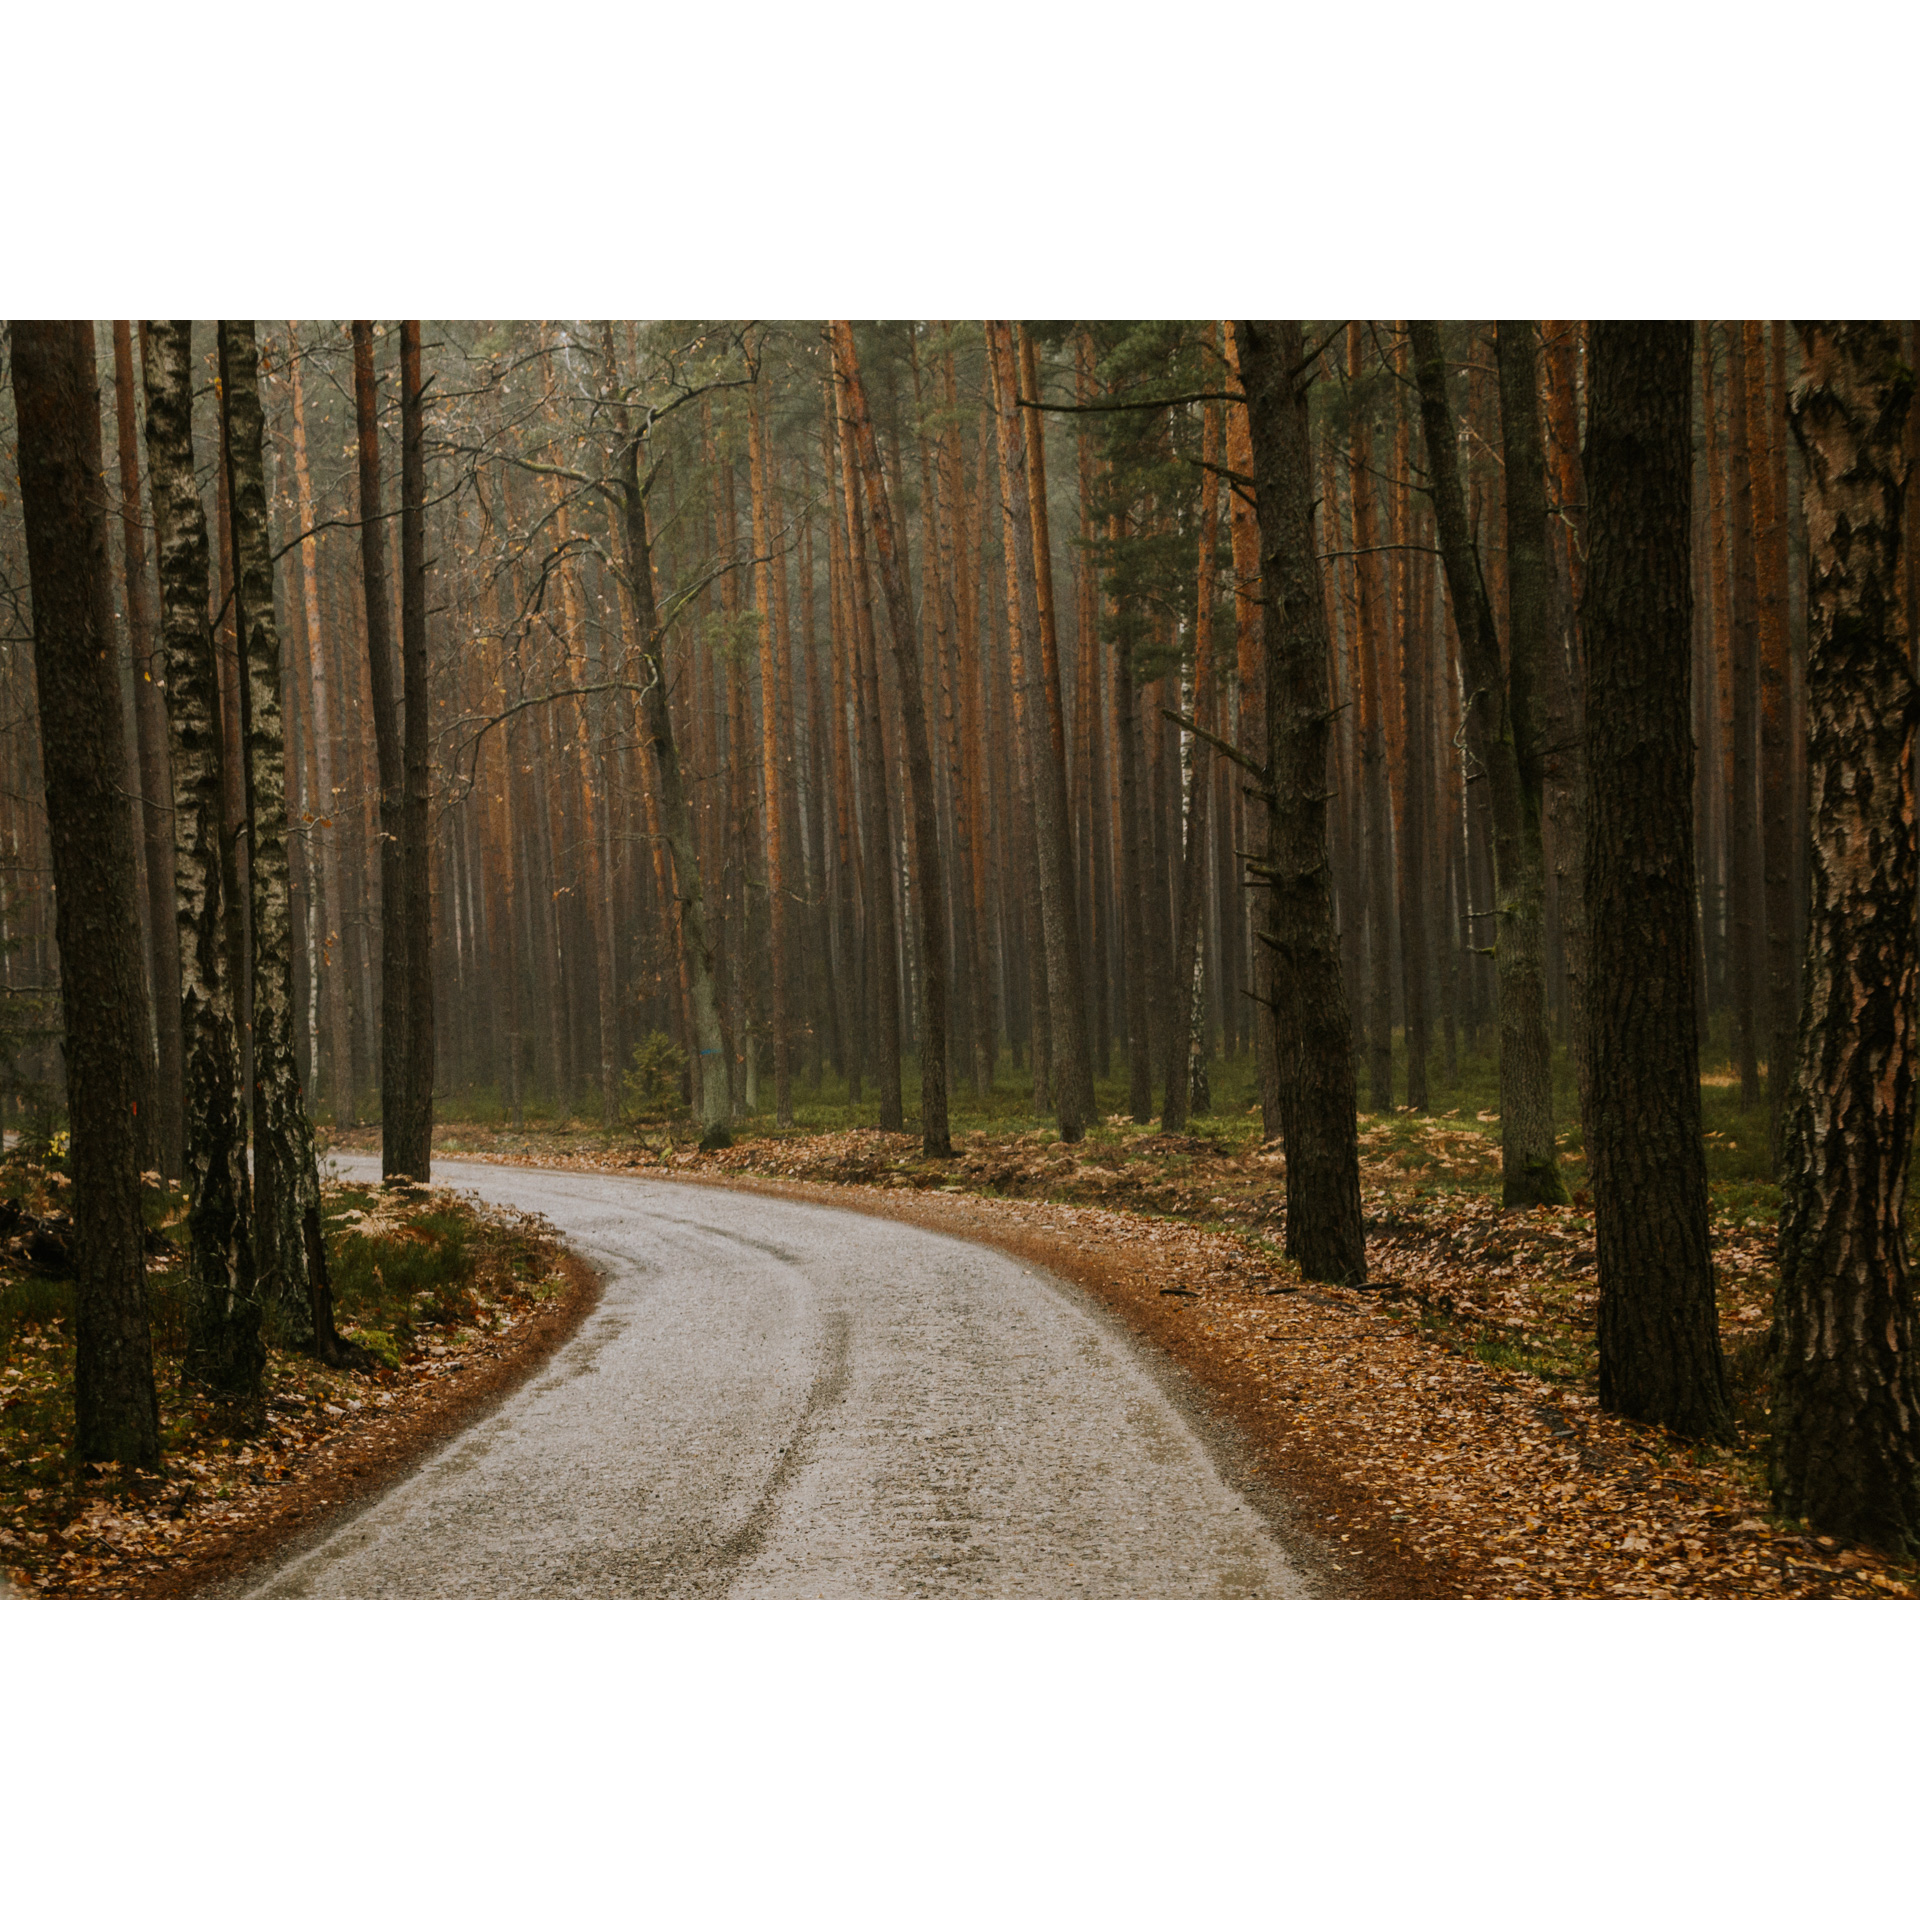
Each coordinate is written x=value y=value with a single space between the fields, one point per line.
x=1178 y=1066
x=1415 y=773
x=1776 y=761
x=1313 y=1033
x=289 y=1250
x=675 y=814
x=1846 y=1387
x=882 y=917
x=334 y=964
x=416 y=855
x=1503 y=729
x=103 y=991
x=1748 y=902
x=1035 y=699
x=1659 y=1340
x=1561 y=749
x=382 y=672
x=1250 y=658
x=1370 y=637
x=224 y=1349
x=930 y=884
x=156 y=797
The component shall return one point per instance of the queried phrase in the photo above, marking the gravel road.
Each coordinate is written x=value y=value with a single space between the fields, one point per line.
x=781 y=1400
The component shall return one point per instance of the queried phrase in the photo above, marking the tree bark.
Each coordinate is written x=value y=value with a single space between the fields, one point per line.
x=1416 y=775
x=156 y=796
x=333 y=964
x=289 y=1250
x=1249 y=663
x=1178 y=1066
x=1781 y=1003
x=103 y=994
x=882 y=918
x=381 y=668
x=1503 y=729
x=1846 y=1385
x=1071 y=1061
x=224 y=1348
x=1748 y=953
x=676 y=816
x=1313 y=1033
x=415 y=1156
x=1659 y=1341
x=930 y=883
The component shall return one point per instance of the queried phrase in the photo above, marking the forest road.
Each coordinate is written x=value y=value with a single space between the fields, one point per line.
x=781 y=1400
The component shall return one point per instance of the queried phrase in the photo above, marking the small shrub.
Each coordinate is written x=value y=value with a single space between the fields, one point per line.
x=651 y=1089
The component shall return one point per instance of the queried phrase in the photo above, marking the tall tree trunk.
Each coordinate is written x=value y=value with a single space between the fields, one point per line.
x=1370 y=635
x=1415 y=772
x=1034 y=699
x=675 y=814
x=416 y=833
x=224 y=1349
x=1186 y=953
x=1250 y=665
x=772 y=714
x=1749 y=906
x=882 y=917
x=1846 y=1386
x=1503 y=727
x=334 y=963
x=156 y=797
x=289 y=1250
x=395 y=1003
x=930 y=883
x=1775 y=755
x=1313 y=1033
x=1659 y=1340
x=103 y=993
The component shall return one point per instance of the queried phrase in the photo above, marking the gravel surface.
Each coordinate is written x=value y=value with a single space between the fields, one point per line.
x=780 y=1400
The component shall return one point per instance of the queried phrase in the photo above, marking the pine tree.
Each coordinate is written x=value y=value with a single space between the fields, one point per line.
x=1846 y=1386
x=83 y=730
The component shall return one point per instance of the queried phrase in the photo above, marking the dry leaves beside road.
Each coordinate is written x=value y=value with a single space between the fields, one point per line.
x=231 y=1489
x=1440 y=1428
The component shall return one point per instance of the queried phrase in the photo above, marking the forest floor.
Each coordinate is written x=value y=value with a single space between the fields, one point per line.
x=1439 y=1427
x=456 y=1302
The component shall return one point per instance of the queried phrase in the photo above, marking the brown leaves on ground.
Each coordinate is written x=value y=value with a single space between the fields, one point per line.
x=1443 y=1418
x=228 y=1474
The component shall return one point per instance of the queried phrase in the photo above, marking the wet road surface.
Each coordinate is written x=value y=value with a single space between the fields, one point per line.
x=781 y=1400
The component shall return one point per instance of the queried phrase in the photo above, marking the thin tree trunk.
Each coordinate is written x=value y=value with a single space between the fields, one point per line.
x=1313 y=1032
x=1250 y=664
x=382 y=671
x=930 y=883
x=416 y=844
x=1415 y=773
x=1503 y=727
x=156 y=798
x=1071 y=1062
x=1659 y=1340
x=1370 y=634
x=882 y=921
x=1776 y=764
x=224 y=1349
x=334 y=964
x=676 y=815
x=289 y=1250
x=1846 y=1385
x=1178 y=1067
x=103 y=991
x=1749 y=907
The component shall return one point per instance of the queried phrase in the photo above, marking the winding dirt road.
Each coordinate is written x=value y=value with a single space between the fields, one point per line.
x=775 y=1399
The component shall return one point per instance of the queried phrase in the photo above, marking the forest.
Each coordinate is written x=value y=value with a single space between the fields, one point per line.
x=729 y=727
